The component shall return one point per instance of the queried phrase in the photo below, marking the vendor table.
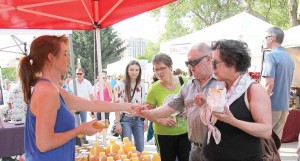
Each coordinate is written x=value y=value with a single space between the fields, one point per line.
x=11 y=140
x=291 y=128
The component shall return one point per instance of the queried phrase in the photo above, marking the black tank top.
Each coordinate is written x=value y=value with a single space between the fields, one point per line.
x=235 y=144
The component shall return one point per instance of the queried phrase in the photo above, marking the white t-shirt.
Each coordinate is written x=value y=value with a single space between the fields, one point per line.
x=84 y=89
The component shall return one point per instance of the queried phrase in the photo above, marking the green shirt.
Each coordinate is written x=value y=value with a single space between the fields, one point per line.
x=159 y=95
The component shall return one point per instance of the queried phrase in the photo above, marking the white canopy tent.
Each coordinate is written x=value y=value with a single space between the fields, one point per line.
x=13 y=43
x=243 y=26
x=119 y=67
x=292 y=44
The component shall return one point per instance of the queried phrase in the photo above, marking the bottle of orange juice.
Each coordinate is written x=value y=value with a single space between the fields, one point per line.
x=127 y=144
x=110 y=159
x=135 y=159
x=97 y=149
x=102 y=156
x=101 y=124
x=146 y=157
x=112 y=148
x=133 y=150
x=123 y=157
x=118 y=155
x=134 y=156
x=156 y=157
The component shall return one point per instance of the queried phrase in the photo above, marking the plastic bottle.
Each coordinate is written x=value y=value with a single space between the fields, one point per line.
x=112 y=148
x=144 y=152
x=135 y=159
x=135 y=155
x=146 y=157
x=127 y=144
x=133 y=150
x=96 y=149
x=118 y=155
x=102 y=156
x=101 y=124
x=110 y=159
x=156 y=157
x=123 y=157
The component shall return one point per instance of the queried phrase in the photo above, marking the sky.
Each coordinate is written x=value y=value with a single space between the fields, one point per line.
x=143 y=26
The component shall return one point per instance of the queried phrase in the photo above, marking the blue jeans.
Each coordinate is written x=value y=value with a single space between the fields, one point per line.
x=83 y=117
x=135 y=126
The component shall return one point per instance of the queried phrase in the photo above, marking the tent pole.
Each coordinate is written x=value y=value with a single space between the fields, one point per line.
x=77 y=113
x=98 y=44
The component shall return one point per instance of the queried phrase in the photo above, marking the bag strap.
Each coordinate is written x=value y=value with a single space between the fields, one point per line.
x=133 y=91
x=181 y=80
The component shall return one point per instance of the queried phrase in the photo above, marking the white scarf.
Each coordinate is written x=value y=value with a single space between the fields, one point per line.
x=239 y=87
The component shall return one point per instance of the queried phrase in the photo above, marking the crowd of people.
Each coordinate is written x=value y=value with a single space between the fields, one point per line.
x=185 y=124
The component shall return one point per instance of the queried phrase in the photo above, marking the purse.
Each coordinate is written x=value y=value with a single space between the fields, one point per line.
x=270 y=148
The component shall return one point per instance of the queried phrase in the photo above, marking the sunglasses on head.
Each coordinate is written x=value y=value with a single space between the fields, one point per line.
x=78 y=73
x=193 y=63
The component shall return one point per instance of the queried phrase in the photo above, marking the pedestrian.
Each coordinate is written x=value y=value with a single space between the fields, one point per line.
x=107 y=94
x=132 y=90
x=84 y=90
x=170 y=133
x=50 y=125
x=200 y=63
x=244 y=117
x=278 y=70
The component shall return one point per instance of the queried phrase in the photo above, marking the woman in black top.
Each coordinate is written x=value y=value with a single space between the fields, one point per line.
x=247 y=113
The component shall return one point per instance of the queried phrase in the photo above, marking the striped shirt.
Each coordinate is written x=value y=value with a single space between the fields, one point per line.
x=185 y=100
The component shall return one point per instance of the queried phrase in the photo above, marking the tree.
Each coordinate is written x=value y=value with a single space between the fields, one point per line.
x=185 y=16
x=9 y=74
x=111 y=48
x=151 y=49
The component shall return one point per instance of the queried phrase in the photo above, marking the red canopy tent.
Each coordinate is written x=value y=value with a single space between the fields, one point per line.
x=72 y=15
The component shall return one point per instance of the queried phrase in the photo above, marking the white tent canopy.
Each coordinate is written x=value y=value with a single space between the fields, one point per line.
x=13 y=43
x=291 y=38
x=292 y=44
x=243 y=26
x=119 y=67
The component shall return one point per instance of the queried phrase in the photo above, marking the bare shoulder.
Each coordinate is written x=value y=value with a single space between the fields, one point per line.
x=257 y=91
x=45 y=90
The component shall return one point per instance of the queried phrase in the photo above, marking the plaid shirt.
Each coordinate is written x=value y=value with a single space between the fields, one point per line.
x=185 y=100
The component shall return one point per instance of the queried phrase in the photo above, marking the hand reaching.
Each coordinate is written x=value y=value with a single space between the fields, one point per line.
x=132 y=108
x=141 y=111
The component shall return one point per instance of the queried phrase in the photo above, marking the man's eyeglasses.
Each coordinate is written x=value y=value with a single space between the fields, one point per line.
x=78 y=73
x=268 y=36
x=193 y=63
x=215 y=63
x=159 y=69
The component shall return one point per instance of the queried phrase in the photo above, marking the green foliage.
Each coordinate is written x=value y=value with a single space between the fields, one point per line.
x=111 y=49
x=9 y=74
x=186 y=16
x=151 y=49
